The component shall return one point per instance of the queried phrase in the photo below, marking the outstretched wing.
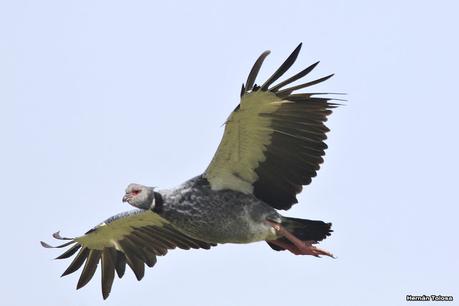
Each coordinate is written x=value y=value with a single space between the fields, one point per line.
x=274 y=140
x=134 y=238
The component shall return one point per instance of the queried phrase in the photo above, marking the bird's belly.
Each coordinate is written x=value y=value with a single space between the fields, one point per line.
x=221 y=220
x=236 y=231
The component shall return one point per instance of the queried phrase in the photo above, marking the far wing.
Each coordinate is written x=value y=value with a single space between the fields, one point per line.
x=274 y=140
x=134 y=238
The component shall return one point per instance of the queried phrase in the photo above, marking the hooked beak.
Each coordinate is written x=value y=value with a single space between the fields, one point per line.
x=126 y=197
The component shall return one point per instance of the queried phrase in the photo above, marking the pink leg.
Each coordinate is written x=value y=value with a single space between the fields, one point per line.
x=292 y=248
x=299 y=247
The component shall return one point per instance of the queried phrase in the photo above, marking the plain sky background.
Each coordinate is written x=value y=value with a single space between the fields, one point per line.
x=98 y=94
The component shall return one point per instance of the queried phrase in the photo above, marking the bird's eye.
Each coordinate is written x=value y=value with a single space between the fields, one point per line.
x=135 y=192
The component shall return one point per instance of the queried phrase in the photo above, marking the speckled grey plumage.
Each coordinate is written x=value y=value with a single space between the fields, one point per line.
x=217 y=216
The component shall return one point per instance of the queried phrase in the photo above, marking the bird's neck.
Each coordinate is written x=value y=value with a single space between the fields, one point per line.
x=157 y=202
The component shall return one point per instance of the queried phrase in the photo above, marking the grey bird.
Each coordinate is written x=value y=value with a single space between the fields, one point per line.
x=273 y=144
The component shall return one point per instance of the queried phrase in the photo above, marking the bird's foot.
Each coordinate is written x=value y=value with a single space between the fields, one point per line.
x=313 y=250
x=297 y=246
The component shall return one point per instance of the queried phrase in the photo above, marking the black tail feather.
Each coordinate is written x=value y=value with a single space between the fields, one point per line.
x=306 y=230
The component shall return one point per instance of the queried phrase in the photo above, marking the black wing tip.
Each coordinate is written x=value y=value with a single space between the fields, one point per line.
x=288 y=91
x=254 y=71
x=313 y=94
x=323 y=79
x=299 y=47
x=55 y=235
x=67 y=272
x=243 y=89
x=313 y=66
x=282 y=68
x=45 y=245
x=48 y=246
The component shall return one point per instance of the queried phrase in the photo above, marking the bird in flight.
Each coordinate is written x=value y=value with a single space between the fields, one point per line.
x=273 y=144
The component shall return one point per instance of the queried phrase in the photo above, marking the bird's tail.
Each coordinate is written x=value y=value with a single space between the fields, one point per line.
x=305 y=230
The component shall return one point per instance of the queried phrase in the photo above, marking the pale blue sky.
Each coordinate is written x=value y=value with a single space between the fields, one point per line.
x=97 y=94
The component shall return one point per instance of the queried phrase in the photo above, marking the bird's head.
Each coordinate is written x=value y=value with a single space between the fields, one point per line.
x=140 y=196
